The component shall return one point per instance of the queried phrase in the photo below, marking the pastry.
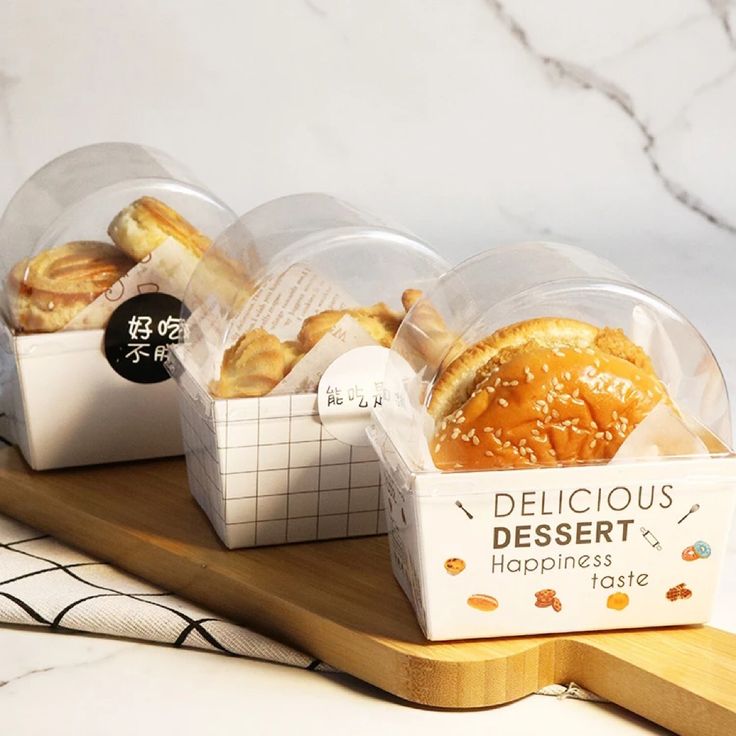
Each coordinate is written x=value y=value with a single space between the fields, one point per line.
x=454 y=565
x=428 y=333
x=253 y=365
x=50 y=289
x=543 y=392
x=617 y=601
x=483 y=602
x=378 y=321
x=144 y=225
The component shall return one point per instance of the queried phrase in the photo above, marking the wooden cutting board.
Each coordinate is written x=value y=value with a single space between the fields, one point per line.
x=339 y=602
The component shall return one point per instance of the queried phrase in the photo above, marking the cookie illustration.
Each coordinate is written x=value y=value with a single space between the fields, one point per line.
x=546 y=598
x=482 y=602
x=454 y=565
x=617 y=601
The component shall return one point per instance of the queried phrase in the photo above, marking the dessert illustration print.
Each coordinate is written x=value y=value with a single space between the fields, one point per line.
x=567 y=433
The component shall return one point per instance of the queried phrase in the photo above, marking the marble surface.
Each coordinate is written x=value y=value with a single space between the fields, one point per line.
x=477 y=122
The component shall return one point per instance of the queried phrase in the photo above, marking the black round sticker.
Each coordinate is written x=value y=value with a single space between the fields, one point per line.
x=138 y=335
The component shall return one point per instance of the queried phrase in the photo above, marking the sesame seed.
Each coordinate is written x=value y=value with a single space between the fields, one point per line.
x=532 y=457
x=498 y=432
x=455 y=433
x=506 y=444
x=567 y=375
x=529 y=377
x=443 y=437
x=545 y=368
x=476 y=440
x=608 y=436
x=503 y=402
x=552 y=452
x=559 y=353
x=522 y=451
x=547 y=419
x=522 y=442
x=460 y=421
x=488 y=453
x=490 y=389
x=576 y=420
x=599 y=435
x=472 y=432
x=465 y=438
x=516 y=383
x=488 y=429
x=497 y=382
x=535 y=432
x=576 y=393
x=436 y=448
x=593 y=443
x=614 y=414
x=593 y=425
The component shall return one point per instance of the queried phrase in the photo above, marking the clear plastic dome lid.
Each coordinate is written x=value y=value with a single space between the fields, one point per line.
x=86 y=228
x=291 y=286
x=541 y=354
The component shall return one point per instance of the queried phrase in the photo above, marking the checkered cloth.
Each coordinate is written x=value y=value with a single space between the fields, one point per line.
x=46 y=583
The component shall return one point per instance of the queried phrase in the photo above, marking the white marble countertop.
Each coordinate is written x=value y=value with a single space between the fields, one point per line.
x=477 y=122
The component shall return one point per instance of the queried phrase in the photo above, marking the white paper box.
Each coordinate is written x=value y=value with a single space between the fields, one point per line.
x=427 y=527
x=265 y=470
x=69 y=407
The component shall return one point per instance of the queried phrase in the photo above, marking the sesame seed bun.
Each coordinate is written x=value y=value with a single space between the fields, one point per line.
x=542 y=392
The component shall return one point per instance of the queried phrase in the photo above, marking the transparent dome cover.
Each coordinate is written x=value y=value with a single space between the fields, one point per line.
x=58 y=237
x=462 y=340
x=298 y=281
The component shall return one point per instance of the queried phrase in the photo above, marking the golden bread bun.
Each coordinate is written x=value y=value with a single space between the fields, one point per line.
x=378 y=321
x=253 y=365
x=144 y=225
x=50 y=289
x=455 y=383
x=563 y=395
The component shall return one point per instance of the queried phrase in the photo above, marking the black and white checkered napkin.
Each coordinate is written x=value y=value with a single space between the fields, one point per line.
x=46 y=583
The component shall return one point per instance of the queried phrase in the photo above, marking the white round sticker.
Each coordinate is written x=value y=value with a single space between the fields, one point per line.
x=349 y=390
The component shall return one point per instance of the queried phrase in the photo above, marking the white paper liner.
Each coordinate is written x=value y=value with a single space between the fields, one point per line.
x=305 y=375
x=661 y=434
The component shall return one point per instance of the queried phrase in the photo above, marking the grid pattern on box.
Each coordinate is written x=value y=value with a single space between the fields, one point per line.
x=266 y=471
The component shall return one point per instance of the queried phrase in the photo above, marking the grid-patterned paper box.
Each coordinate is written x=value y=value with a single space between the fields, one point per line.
x=266 y=471
x=273 y=418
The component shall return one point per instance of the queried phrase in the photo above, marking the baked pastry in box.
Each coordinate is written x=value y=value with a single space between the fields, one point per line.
x=291 y=314
x=97 y=248
x=555 y=456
